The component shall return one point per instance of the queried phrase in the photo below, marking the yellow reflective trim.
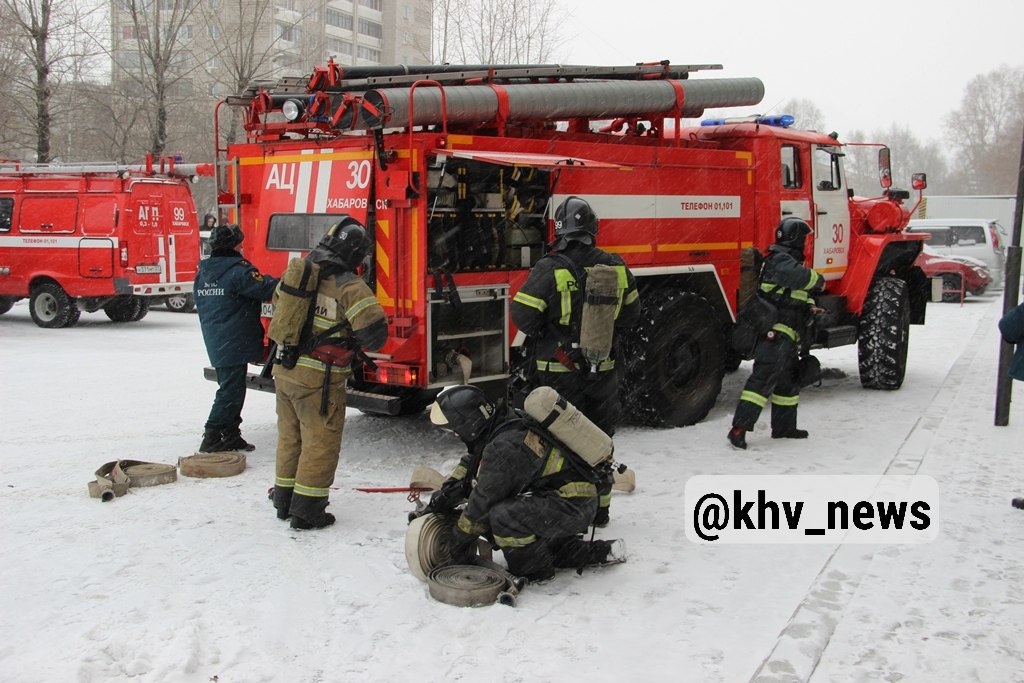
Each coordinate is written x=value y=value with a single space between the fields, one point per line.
x=785 y=400
x=786 y=330
x=577 y=489
x=459 y=472
x=632 y=296
x=319 y=366
x=514 y=541
x=531 y=301
x=814 y=280
x=552 y=366
x=312 y=491
x=284 y=482
x=360 y=306
x=755 y=398
x=605 y=500
x=469 y=526
x=554 y=463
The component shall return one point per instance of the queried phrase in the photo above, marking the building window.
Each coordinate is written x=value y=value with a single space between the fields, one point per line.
x=339 y=47
x=372 y=4
x=185 y=32
x=211 y=89
x=369 y=54
x=371 y=28
x=214 y=4
x=289 y=32
x=213 y=31
x=167 y=5
x=131 y=32
x=212 y=63
x=339 y=19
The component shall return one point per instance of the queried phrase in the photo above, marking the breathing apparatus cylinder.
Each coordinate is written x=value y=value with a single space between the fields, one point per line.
x=600 y=301
x=569 y=425
x=295 y=295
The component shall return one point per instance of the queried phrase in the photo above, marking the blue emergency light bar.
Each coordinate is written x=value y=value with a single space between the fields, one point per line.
x=778 y=120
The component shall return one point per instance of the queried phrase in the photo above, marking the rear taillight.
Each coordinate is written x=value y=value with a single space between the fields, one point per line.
x=995 y=239
x=124 y=254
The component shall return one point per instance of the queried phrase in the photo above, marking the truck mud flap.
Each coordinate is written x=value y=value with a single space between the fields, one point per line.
x=360 y=400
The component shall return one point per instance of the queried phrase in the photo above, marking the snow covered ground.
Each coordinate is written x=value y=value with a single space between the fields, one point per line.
x=197 y=580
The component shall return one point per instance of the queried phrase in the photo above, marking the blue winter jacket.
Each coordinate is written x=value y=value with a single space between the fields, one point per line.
x=1011 y=326
x=228 y=292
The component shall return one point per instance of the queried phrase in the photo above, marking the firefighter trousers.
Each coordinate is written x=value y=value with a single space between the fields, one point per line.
x=773 y=378
x=308 y=443
x=537 y=532
x=227 y=403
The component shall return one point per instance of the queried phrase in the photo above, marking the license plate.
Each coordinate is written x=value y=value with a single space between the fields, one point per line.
x=267 y=310
x=148 y=270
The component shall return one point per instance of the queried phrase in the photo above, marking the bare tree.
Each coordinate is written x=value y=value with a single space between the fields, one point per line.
x=985 y=130
x=496 y=31
x=43 y=47
x=806 y=114
x=908 y=156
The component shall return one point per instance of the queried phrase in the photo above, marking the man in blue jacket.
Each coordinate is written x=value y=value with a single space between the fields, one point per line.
x=1011 y=326
x=228 y=292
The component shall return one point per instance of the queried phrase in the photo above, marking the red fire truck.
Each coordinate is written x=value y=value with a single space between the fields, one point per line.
x=457 y=169
x=87 y=237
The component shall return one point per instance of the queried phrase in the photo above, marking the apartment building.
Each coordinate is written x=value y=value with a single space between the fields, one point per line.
x=210 y=44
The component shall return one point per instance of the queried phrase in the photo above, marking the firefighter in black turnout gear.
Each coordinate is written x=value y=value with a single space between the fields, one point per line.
x=788 y=283
x=548 y=308
x=532 y=496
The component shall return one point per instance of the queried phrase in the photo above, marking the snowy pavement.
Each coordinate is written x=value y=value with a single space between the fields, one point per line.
x=197 y=580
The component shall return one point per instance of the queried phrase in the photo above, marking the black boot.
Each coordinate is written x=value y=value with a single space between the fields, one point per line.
x=213 y=437
x=602 y=517
x=533 y=562
x=308 y=512
x=233 y=441
x=282 y=497
x=789 y=434
x=738 y=438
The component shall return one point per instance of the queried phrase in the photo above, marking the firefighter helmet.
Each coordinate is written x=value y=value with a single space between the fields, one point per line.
x=226 y=237
x=792 y=232
x=575 y=220
x=345 y=244
x=464 y=410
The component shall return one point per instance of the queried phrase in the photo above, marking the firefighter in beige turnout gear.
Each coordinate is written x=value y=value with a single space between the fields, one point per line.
x=311 y=395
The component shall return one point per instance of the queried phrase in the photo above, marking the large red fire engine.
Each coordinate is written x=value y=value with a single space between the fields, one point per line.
x=456 y=170
x=96 y=236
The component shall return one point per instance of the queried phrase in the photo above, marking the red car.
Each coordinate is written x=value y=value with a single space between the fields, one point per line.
x=953 y=270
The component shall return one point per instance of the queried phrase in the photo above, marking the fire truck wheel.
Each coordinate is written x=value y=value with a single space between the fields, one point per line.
x=884 y=335
x=127 y=309
x=950 y=288
x=51 y=306
x=674 y=360
x=6 y=302
x=181 y=303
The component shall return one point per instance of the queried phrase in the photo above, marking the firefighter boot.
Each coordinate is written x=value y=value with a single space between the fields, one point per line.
x=607 y=552
x=308 y=512
x=213 y=437
x=602 y=517
x=738 y=438
x=233 y=441
x=282 y=497
x=790 y=434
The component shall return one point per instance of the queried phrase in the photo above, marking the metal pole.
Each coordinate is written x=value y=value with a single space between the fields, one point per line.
x=1011 y=294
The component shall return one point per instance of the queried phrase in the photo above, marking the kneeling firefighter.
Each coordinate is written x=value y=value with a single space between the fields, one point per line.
x=343 y=318
x=533 y=496
x=788 y=284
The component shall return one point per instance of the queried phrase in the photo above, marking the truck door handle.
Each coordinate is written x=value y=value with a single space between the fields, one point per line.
x=822 y=213
x=787 y=213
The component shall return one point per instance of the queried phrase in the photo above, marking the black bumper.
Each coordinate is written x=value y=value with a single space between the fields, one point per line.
x=360 y=400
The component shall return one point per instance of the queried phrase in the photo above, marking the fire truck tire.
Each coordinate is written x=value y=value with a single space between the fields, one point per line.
x=127 y=309
x=674 y=361
x=950 y=288
x=181 y=303
x=50 y=306
x=884 y=335
x=6 y=303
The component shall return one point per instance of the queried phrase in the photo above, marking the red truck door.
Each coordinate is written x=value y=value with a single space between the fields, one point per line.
x=147 y=247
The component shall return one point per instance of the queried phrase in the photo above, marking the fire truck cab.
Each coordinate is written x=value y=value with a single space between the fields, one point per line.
x=456 y=171
x=76 y=238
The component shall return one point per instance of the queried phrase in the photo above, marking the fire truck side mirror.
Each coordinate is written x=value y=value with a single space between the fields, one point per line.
x=884 y=168
x=919 y=181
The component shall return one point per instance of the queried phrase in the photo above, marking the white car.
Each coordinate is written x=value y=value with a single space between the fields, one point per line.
x=974 y=238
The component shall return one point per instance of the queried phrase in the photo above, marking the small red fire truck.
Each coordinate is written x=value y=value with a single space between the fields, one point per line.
x=456 y=170
x=87 y=237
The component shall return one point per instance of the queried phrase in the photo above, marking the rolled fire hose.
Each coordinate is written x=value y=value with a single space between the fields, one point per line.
x=206 y=465
x=115 y=478
x=463 y=585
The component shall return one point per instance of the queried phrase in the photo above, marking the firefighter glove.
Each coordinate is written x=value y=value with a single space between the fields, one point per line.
x=461 y=546
x=448 y=497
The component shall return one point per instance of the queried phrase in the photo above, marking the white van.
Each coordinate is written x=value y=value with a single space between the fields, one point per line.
x=977 y=238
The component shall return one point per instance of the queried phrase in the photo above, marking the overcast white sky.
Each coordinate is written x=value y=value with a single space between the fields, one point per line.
x=866 y=64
